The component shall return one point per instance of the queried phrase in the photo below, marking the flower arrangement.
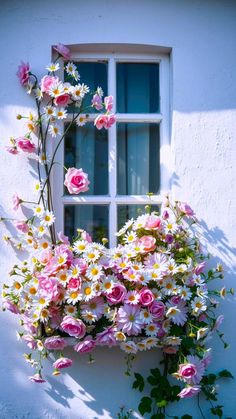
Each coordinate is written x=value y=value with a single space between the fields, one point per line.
x=151 y=291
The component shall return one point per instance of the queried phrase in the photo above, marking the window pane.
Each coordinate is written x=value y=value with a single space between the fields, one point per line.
x=92 y=218
x=138 y=88
x=126 y=212
x=138 y=158
x=87 y=148
x=92 y=74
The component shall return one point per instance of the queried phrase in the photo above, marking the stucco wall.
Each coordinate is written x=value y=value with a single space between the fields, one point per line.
x=202 y=36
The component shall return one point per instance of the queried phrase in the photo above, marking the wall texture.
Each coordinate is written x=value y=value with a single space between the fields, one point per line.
x=203 y=142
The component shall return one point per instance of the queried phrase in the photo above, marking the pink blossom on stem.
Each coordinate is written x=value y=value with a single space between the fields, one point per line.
x=104 y=121
x=106 y=337
x=21 y=226
x=146 y=297
x=24 y=144
x=97 y=102
x=74 y=327
x=30 y=341
x=47 y=82
x=108 y=102
x=62 y=100
x=186 y=209
x=16 y=202
x=23 y=73
x=76 y=181
x=62 y=238
x=8 y=305
x=189 y=392
x=12 y=150
x=86 y=236
x=63 y=51
x=148 y=242
x=62 y=362
x=87 y=345
x=37 y=378
x=200 y=268
x=55 y=343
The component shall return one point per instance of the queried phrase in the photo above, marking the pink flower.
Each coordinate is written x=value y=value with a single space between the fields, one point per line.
x=193 y=371
x=157 y=309
x=76 y=181
x=12 y=150
x=8 y=305
x=27 y=324
x=200 y=268
x=63 y=50
x=148 y=242
x=62 y=100
x=218 y=321
x=74 y=283
x=16 y=202
x=106 y=337
x=146 y=297
x=21 y=226
x=117 y=294
x=25 y=145
x=23 y=73
x=128 y=319
x=74 y=327
x=153 y=223
x=165 y=215
x=104 y=121
x=62 y=238
x=97 y=102
x=82 y=264
x=189 y=392
x=48 y=287
x=187 y=371
x=86 y=236
x=55 y=343
x=87 y=345
x=62 y=363
x=185 y=209
x=30 y=341
x=108 y=102
x=37 y=378
x=47 y=82
x=170 y=350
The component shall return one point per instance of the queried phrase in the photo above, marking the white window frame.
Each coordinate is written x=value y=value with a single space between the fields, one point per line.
x=163 y=118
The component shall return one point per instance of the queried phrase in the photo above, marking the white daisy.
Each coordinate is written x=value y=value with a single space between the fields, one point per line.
x=88 y=316
x=146 y=316
x=140 y=222
x=66 y=87
x=131 y=237
x=41 y=230
x=88 y=291
x=37 y=187
x=168 y=286
x=120 y=336
x=127 y=225
x=63 y=276
x=79 y=91
x=81 y=120
x=141 y=346
x=48 y=218
x=151 y=329
x=201 y=333
x=54 y=131
x=60 y=113
x=49 y=111
x=70 y=68
x=151 y=342
x=99 y=91
x=38 y=93
x=108 y=284
x=74 y=271
x=80 y=246
x=185 y=293
x=52 y=67
x=38 y=211
x=73 y=296
x=91 y=254
x=172 y=268
x=70 y=310
x=94 y=272
x=198 y=305
x=129 y=347
x=132 y=297
x=56 y=89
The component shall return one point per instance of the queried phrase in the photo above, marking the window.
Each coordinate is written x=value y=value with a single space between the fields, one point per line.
x=127 y=162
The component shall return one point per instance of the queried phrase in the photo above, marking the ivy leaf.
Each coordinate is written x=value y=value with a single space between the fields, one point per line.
x=155 y=372
x=211 y=378
x=225 y=374
x=186 y=417
x=217 y=411
x=145 y=406
x=162 y=403
x=139 y=382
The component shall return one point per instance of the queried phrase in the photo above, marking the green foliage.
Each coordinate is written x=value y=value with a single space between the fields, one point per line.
x=145 y=406
x=139 y=382
x=217 y=411
x=186 y=417
x=225 y=374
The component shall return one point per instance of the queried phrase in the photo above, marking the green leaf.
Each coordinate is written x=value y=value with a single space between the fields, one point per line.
x=145 y=406
x=188 y=343
x=175 y=390
x=217 y=411
x=156 y=393
x=158 y=416
x=162 y=403
x=155 y=372
x=139 y=382
x=211 y=378
x=186 y=417
x=225 y=374
x=153 y=380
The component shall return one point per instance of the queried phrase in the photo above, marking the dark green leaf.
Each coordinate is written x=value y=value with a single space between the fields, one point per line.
x=162 y=403
x=155 y=372
x=156 y=393
x=186 y=417
x=217 y=411
x=211 y=378
x=145 y=405
x=225 y=374
x=139 y=382
x=153 y=380
x=175 y=390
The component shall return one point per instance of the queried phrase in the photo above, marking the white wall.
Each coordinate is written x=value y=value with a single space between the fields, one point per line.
x=202 y=36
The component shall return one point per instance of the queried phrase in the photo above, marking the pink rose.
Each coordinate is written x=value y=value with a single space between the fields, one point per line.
x=165 y=215
x=12 y=150
x=86 y=236
x=62 y=363
x=74 y=327
x=23 y=73
x=62 y=100
x=185 y=209
x=97 y=102
x=74 y=283
x=63 y=50
x=47 y=82
x=21 y=226
x=146 y=297
x=148 y=242
x=117 y=294
x=108 y=102
x=104 y=121
x=25 y=145
x=62 y=238
x=8 y=305
x=55 y=343
x=48 y=287
x=170 y=350
x=16 y=202
x=153 y=223
x=106 y=338
x=76 y=181
x=87 y=345
x=111 y=119
x=37 y=378
x=187 y=371
x=82 y=265
x=200 y=268
x=30 y=341
x=157 y=309
x=189 y=392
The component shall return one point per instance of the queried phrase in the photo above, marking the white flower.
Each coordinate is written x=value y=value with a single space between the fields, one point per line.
x=38 y=93
x=54 y=130
x=60 y=113
x=88 y=291
x=81 y=120
x=80 y=246
x=37 y=187
x=150 y=342
x=53 y=67
x=201 y=333
x=100 y=91
x=131 y=237
x=108 y=284
x=74 y=271
x=48 y=218
x=56 y=89
x=184 y=293
x=91 y=254
x=79 y=91
x=39 y=211
x=70 y=68
x=72 y=296
x=120 y=336
x=132 y=297
x=70 y=310
x=63 y=276
x=49 y=111
x=198 y=305
x=129 y=347
x=125 y=227
x=94 y=272
x=151 y=329
x=146 y=316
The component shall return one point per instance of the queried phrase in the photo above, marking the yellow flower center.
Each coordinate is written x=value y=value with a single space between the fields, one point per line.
x=87 y=290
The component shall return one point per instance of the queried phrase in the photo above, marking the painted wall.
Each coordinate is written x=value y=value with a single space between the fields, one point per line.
x=202 y=36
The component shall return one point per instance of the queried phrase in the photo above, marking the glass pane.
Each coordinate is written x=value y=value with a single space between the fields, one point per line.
x=92 y=218
x=87 y=148
x=138 y=156
x=92 y=74
x=126 y=212
x=138 y=88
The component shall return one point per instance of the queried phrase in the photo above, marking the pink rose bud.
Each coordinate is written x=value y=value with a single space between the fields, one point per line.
x=148 y=242
x=23 y=73
x=146 y=297
x=37 y=378
x=74 y=283
x=187 y=371
x=185 y=209
x=104 y=121
x=12 y=150
x=108 y=102
x=74 y=327
x=76 y=181
x=62 y=363
x=200 y=268
x=62 y=100
x=153 y=223
x=86 y=236
x=106 y=338
x=47 y=82
x=25 y=145
x=189 y=392
x=55 y=343
x=21 y=226
x=8 y=305
x=157 y=309
x=97 y=102
x=87 y=345
x=63 y=51
x=16 y=202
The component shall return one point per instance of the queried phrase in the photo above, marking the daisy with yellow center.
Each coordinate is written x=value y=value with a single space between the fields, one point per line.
x=48 y=218
x=87 y=291
x=81 y=120
x=73 y=296
x=54 y=131
x=70 y=310
x=53 y=67
x=80 y=246
x=151 y=329
x=130 y=237
x=94 y=272
x=38 y=211
x=129 y=347
x=120 y=336
x=60 y=113
x=91 y=255
x=89 y=317
x=108 y=284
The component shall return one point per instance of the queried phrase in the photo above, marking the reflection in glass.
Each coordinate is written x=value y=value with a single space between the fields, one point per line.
x=92 y=218
x=126 y=212
x=138 y=88
x=86 y=147
x=92 y=74
x=138 y=158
